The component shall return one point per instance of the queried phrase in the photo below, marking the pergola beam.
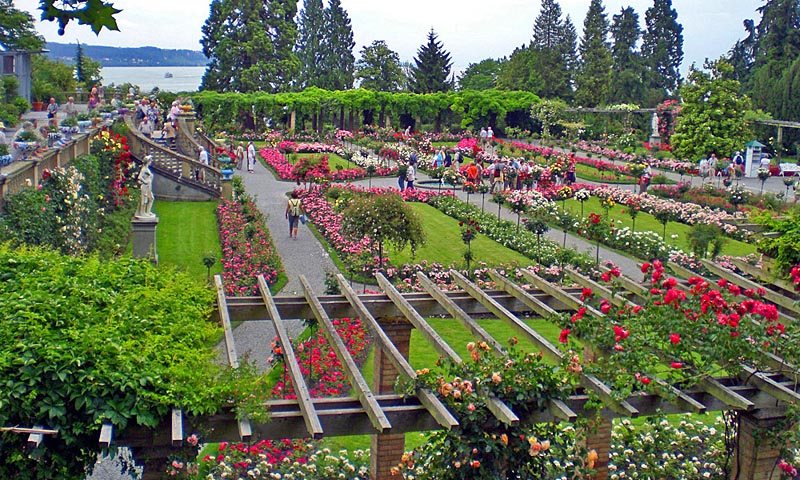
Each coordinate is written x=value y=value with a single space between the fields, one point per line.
x=363 y=392
x=604 y=291
x=313 y=424
x=769 y=294
x=430 y=401
x=542 y=309
x=568 y=300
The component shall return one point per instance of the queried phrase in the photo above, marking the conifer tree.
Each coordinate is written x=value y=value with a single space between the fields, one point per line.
x=431 y=70
x=310 y=38
x=338 y=62
x=594 y=78
x=79 y=63
x=554 y=45
x=626 y=70
x=379 y=68
x=662 y=50
x=249 y=44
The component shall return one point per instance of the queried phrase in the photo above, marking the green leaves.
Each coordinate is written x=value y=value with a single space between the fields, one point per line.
x=95 y=13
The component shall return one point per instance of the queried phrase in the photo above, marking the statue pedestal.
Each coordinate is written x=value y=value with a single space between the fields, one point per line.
x=144 y=238
x=654 y=139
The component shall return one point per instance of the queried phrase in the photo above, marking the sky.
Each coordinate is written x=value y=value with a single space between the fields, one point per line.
x=471 y=30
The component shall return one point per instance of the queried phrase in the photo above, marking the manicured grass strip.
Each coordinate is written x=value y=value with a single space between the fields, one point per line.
x=333 y=160
x=444 y=244
x=186 y=232
x=645 y=221
x=592 y=174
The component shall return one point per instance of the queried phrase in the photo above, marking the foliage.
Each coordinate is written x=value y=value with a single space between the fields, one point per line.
x=594 y=75
x=18 y=29
x=481 y=75
x=482 y=447
x=95 y=13
x=249 y=46
x=383 y=219
x=379 y=68
x=88 y=341
x=627 y=64
x=50 y=79
x=702 y=236
x=310 y=38
x=554 y=42
x=431 y=70
x=548 y=113
x=519 y=72
x=662 y=51
x=337 y=61
x=785 y=247
x=712 y=118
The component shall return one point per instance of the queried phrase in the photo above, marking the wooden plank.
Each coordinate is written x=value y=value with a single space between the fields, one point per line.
x=561 y=410
x=290 y=360
x=497 y=407
x=457 y=313
x=681 y=271
x=763 y=276
x=548 y=349
x=430 y=401
x=538 y=306
x=559 y=294
x=176 y=434
x=769 y=385
x=739 y=280
x=222 y=305
x=725 y=394
x=43 y=431
x=597 y=288
x=106 y=435
x=365 y=396
x=681 y=399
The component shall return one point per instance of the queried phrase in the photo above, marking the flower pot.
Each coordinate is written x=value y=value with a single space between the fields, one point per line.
x=37 y=106
x=83 y=124
x=5 y=160
x=227 y=173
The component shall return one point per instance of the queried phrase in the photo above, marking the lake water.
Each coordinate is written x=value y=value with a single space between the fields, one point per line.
x=184 y=79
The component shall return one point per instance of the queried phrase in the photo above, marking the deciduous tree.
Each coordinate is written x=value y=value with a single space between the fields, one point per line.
x=520 y=72
x=431 y=71
x=481 y=75
x=379 y=68
x=17 y=30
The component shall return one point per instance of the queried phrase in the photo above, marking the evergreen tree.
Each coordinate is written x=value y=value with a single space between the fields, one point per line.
x=79 y=64
x=481 y=75
x=379 y=68
x=554 y=43
x=310 y=38
x=742 y=55
x=431 y=72
x=626 y=70
x=662 y=50
x=519 y=72
x=338 y=62
x=17 y=28
x=249 y=44
x=594 y=78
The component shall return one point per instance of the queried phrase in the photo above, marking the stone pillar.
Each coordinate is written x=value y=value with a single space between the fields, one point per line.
x=144 y=238
x=755 y=458
x=386 y=450
x=598 y=438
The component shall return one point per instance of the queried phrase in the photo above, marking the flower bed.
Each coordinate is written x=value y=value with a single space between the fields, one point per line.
x=320 y=172
x=247 y=249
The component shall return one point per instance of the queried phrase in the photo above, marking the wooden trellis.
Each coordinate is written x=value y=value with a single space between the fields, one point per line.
x=387 y=415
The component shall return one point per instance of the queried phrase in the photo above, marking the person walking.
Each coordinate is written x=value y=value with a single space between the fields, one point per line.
x=200 y=173
x=294 y=208
x=240 y=156
x=411 y=173
x=251 y=157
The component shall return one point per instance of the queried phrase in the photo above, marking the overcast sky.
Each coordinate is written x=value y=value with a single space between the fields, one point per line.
x=471 y=30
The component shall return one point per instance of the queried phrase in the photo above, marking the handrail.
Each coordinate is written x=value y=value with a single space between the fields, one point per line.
x=182 y=166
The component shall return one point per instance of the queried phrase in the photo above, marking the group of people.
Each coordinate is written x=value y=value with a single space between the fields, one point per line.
x=727 y=167
x=486 y=135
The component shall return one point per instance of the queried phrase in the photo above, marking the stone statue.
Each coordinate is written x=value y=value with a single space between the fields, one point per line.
x=146 y=182
x=654 y=125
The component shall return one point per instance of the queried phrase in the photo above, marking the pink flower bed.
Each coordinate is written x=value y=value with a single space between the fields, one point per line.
x=247 y=249
x=285 y=170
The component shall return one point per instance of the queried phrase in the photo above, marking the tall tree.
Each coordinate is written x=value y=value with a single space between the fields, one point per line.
x=338 y=62
x=554 y=42
x=626 y=70
x=481 y=75
x=249 y=44
x=662 y=50
x=79 y=63
x=431 y=71
x=310 y=39
x=17 y=28
x=520 y=71
x=379 y=68
x=713 y=116
x=594 y=77
x=742 y=56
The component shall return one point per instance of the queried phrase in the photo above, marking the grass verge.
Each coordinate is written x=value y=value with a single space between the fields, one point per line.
x=186 y=232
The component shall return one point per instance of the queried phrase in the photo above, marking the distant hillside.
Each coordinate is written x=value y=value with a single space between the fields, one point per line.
x=128 y=57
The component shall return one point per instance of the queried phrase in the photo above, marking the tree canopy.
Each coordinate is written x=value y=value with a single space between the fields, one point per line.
x=480 y=76
x=554 y=42
x=378 y=68
x=431 y=71
x=594 y=77
x=662 y=50
x=627 y=66
x=17 y=30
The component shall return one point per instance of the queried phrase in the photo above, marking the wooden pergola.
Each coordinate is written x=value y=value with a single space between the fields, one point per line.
x=375 y=409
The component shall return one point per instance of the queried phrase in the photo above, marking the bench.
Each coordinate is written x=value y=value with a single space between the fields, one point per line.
x=789 y=169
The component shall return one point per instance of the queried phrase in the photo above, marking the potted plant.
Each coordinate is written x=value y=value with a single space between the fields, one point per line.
x=83 y=120
x=5 y=156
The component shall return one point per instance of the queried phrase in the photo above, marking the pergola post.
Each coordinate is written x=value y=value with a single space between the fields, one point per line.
x=598 y=438
x=387 y=449
x=755 y=458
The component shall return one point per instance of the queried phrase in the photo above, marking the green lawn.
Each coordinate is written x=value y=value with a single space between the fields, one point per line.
x=592 y=174
x=444 y=244
x=333 y=159
x=645 y=221
x=186 y=231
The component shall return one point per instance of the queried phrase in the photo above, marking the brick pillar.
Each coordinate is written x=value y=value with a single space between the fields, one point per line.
x=755 y=458
x=598 y=438
x=386 y=450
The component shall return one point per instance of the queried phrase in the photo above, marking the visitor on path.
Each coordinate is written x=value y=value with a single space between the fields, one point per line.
x=498 y=178
x=251 y=157
x=644 y=181
x=489 y=134
x=146 y=127
x=52 y=109
x=411 y=173
x=169 y=134
x=438 y=158
x=70 y=108
x=712 y=165
x=200 y=174
x=240 y=156
x=401 y=178
x=765 y=161
x=484 y=135
x=473 y=173
x=448 y=159
x=174 y=111
x=703 y=168
x=294 y=208
x=92 y=104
